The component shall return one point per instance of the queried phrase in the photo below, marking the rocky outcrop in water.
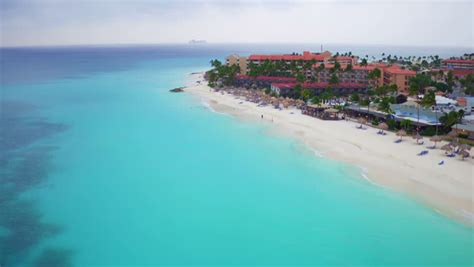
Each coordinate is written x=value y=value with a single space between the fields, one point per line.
x=177 y=90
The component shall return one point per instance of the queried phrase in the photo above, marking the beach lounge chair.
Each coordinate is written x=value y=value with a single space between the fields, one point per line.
x=422 y=153
x=441 y=162
x=398 y=141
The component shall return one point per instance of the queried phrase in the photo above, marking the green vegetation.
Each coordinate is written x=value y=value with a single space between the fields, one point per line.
x=384 y=104
x=429 y=99
x=451 y=118
x=374 y=74
x=405 y=124
x=349 y=67
x=316 y=100
x=468 y=83
x=334 y=79
x=418 y=83
x=221 y=74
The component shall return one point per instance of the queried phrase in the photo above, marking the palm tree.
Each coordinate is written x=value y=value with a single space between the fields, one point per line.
x=405 y=124
x=429 y=100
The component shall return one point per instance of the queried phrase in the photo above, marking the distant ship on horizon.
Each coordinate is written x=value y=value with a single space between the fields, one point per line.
x=197 y=41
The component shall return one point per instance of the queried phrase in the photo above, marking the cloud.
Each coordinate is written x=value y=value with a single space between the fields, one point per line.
x=53 y=22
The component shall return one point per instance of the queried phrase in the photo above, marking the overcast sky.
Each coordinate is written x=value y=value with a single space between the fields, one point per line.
x=64 y=22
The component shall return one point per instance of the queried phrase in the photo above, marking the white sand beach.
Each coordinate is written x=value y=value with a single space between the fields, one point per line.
x=448 y=188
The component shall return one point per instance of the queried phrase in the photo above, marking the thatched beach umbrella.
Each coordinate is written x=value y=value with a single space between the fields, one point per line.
x=454 y=144
x=465 y=147
x=417 y=137
x=447 y=148
x=435 y=139
x=464 y=154
x=401 y=133
x=362 y=120
x=383 y=126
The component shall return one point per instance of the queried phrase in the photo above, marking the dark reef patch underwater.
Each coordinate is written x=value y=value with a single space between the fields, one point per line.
x=24 y=165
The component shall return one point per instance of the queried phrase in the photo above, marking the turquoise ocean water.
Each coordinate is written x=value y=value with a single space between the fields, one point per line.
x=102 y=166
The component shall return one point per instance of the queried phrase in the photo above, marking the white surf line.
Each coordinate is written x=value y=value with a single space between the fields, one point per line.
x=209 y=107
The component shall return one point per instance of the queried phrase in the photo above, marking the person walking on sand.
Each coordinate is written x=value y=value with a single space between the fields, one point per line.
x=261 y=116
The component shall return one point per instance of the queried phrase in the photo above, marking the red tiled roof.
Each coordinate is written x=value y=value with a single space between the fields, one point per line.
x=459 y=61
x=395 y=69
x=379 y=65
x=343 y=58
x=461 y=72
x=305 y=56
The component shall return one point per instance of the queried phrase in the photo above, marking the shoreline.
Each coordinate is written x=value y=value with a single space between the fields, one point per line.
x=448 y=189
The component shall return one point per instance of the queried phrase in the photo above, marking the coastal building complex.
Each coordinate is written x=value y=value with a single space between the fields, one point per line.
x=459 y=67
x=238 y=60
x=289 y=58
x=398 y=76
x=357 y=74
x=309 y=75
x=458 y=64
x=343 y=60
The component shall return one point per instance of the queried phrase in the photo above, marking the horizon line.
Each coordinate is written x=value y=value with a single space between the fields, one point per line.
x=225 y=43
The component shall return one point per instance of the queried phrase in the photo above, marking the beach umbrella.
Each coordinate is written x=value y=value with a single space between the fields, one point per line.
x=464 y=154
x=401 y=133
x=447 y=148
x=435 y=139
x=383 y=126
x=362 y=120
x=465 y=147
x=417 y=137
x=454 y=143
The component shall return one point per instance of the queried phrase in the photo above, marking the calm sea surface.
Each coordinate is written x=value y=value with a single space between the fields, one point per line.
x=101 y=166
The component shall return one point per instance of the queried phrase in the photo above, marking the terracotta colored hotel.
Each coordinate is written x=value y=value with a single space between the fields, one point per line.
x=356 y=80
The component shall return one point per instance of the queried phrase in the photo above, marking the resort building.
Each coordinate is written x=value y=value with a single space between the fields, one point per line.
x=396 y=75
x=343 y=60
x=459 y=67
x=359 y=74
x=238 y=60
x=458 y=64
x=289 y=58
